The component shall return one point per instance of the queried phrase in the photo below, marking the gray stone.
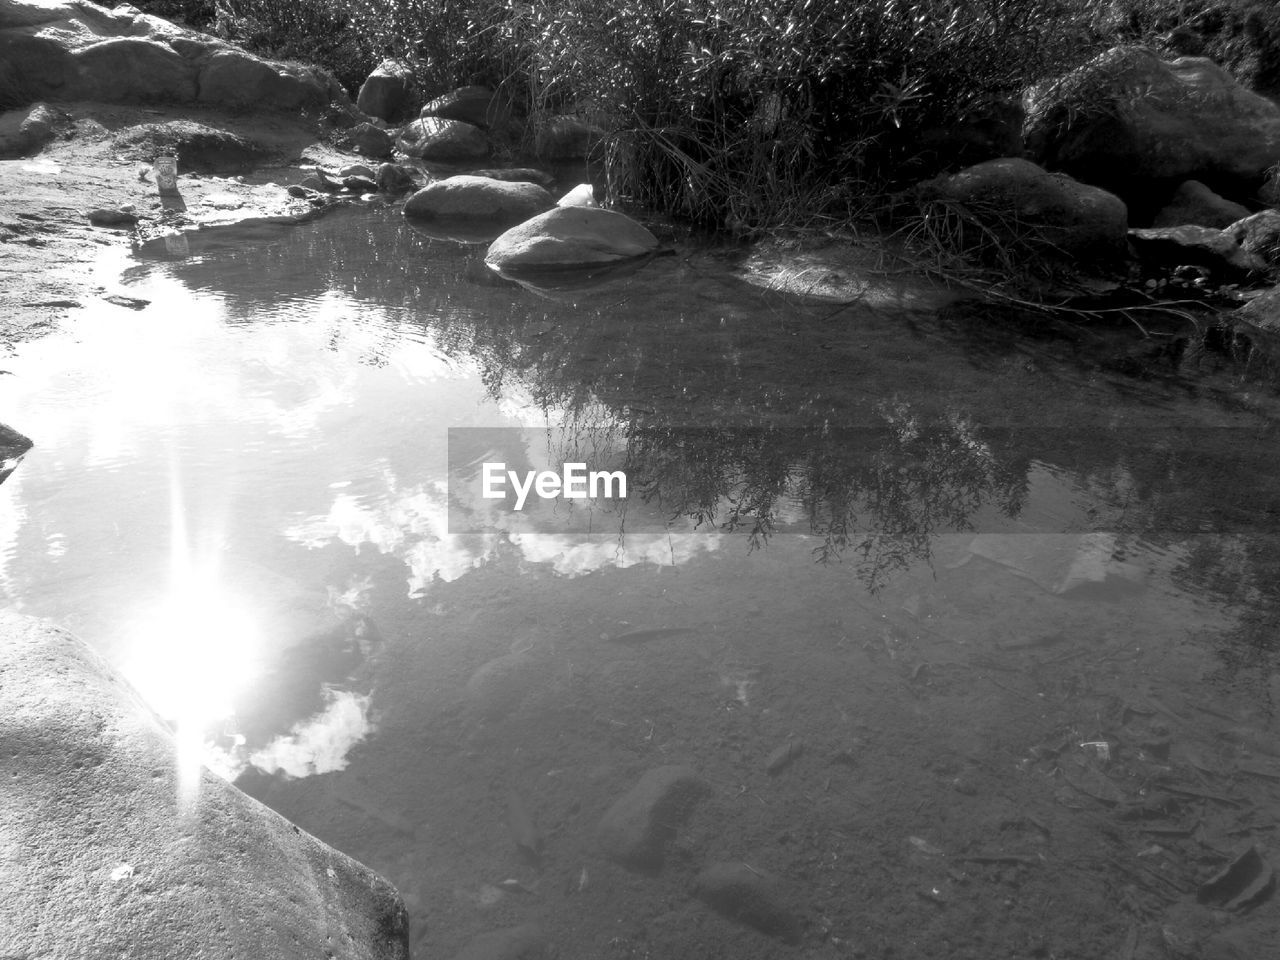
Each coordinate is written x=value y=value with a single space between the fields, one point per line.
x=1263 y=312
x=583 y=195
x=77 y=49
x=13 y=447
x=528 y=174
x=394 y=178
x=199 y=148
x=111 y=217
x=499 y=686
x=1134 y=123
x=525 y=942
x=1021 y=201
x=750 y=897
x=385 y=92
x=1216 y=250
x=448 y=141
x=566 y=138
x=358 y=170
x=569 y=237
x=359 y=185
x=109 y=853
x=634 y=831
x=478 y=198
x=235 y=78
x=125 y=69
x=474 y=105
x=1194 y=203
x=370 y=141
x=24 y=132
x=1259 y=235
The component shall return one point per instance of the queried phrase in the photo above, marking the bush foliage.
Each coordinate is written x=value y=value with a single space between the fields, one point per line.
x=747 y=112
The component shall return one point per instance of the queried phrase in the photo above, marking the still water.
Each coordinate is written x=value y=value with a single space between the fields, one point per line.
x=966 y=628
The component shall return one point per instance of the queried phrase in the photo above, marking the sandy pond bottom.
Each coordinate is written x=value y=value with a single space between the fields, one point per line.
x=1024 y=710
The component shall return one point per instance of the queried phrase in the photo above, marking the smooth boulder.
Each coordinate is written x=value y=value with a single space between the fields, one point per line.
x=1022 y=203
x=476 y=105
x=110 y=852
x=446 y=141
x=570 y=237
x=385 y=92
x=1194 y=203
x=1137 y=125
x=369 y=141
x=478 y=198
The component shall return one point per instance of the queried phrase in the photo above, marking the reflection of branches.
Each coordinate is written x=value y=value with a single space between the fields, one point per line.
x=878 y=495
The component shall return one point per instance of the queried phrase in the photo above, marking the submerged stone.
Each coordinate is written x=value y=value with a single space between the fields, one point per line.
x=750 y=897
x=635 y=830
x=570 y=237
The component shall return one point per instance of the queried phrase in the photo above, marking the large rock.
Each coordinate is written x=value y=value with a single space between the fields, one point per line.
x=25 y=131
x=370 y=141
x=1021 y=202
x=1194 y=203
x=385 y=92
x=1138 y=125
x=1215 y=250
x=640 y=824
x=1263 y=312
x=108 y=852
x=478 y=198
x=237 y=78
x=1259 y=235
x=125 y=69
x=446 y=141
x=78 y=50
x=198 y=147
x=475 y=105
x=570 y=237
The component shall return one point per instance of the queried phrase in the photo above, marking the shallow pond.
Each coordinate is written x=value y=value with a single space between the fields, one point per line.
x=966 y=628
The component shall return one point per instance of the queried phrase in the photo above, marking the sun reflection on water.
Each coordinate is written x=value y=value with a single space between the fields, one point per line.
x=194 y=650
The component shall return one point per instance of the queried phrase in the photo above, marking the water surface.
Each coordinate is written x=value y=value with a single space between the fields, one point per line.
x=1012 y=590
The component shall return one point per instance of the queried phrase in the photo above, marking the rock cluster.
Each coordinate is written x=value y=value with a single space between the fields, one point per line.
x=77 y=50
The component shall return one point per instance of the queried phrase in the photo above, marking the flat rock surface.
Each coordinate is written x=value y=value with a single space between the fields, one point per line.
x=112 y=852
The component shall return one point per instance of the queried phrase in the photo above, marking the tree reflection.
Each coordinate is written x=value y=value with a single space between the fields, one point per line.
x=763 y=413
